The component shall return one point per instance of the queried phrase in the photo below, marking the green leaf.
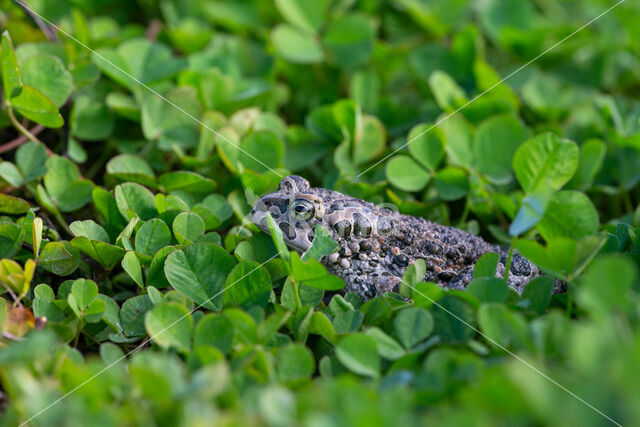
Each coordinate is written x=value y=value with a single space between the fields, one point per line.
x=59 y=258
x=173 y=123
x=43 y=304
x=557 y=259
x=10 y=71
x=370 y=140
x=296 y=45
x=489 y=289
x=137 y=199
x=531 y=211
x=592 y=153
x=10 y=173
x=35 y=106
x=95 y=311
x=320 y=325
x=314 y=274
x=359 y=353
x=199 y=272
x=152 y=236
x=425 y=294
x=263 y=146
x=321 y=246
x=412 y=325
x=215 y=330
x=12 y=205
x=486 y=266
x=294 y=363
x=307 y=15
x=156 y=276
x=248 y=284
x=128 y=167
x=414 y=273
x=601 y=295
x=451 y=183
x=569 y=214
x=145 y=61
x=64 y=186
x=89 y=229
x=449 y=95
x=387 y=346
x=349 y=40
x=496 y=17
x=90 y=118
x=11 y=239
x=44 y=292
x=106 y=254
x=188 y=227
x=278 y=240
x=36 y=236
x=426 y=145
x=537 y=294
x=84 y=292
x=131 y=265
x=545 y=162
x=188 y=182
x=132 y=315
x=452 y=317
x=505 y=327
x=495 y=143
x=75 y=196
x=47 y=74
x=170 y=325
x=218 y=206
x=31 y=159
x=403 y=172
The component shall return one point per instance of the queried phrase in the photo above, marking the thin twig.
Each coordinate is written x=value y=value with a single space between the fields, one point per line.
x=10 y=336
x=49 y=32
x=154 y=28
x=13 y=294
x=20 y=139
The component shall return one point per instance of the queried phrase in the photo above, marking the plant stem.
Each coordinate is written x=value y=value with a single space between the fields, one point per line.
x=77 y=338
x=16 y=300
x=509 y=258
x=465 y=212
x=296 y=294
x=20 y=140
x=23 y=130
x=569 y=300
x=49 y=32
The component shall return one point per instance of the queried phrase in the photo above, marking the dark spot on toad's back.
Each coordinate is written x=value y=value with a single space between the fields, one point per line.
x=289 y=231
x=361 y=226
x=343 y=228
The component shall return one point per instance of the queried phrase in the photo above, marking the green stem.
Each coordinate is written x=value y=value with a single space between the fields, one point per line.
x=23 y=130
x=296 y=294
x=77 y=338
x=569 y=300
x=509 y=258
x=465 y=212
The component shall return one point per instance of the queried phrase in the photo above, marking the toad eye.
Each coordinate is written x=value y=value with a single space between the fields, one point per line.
x=302 y=210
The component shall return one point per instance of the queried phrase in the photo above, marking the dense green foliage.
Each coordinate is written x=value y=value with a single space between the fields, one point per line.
x=134 y=145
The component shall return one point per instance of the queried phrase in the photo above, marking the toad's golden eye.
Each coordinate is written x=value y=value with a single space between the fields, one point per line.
x=302 y=210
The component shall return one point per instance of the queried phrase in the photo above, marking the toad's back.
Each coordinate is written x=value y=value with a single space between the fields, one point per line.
x=377 y=243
